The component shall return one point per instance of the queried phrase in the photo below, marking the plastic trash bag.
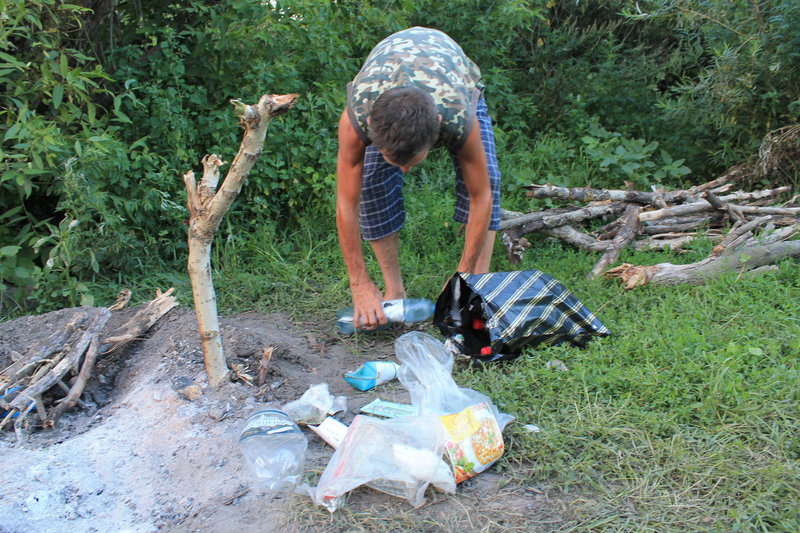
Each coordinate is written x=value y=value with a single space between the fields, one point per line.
x=495 y=315
x=314 y=405
x=399 y=456
x=425 y=370
x=472 y=424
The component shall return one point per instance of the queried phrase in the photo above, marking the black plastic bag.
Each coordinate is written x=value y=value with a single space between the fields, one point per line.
x=497 y=314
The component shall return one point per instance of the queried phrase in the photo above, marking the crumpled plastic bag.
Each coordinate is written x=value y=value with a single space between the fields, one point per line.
x=314 y=405
x=399 y=456
x=425 y=370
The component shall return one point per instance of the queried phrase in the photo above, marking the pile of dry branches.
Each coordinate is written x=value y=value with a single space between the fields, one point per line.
x=660 y=219
x=55 y=370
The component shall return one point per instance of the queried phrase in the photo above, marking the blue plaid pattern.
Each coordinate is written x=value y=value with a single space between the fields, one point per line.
x=382 y=210
x=520 y=308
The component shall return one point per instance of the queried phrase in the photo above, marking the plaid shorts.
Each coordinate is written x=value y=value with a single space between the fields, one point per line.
x=381 y=209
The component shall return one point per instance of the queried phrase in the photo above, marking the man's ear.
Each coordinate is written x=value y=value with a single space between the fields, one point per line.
x=369 y=119
x=439 y=116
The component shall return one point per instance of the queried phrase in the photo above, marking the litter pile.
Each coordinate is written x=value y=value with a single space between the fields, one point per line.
x=446 y=435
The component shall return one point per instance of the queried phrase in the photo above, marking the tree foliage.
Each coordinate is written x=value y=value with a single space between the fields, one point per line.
x=106 y=103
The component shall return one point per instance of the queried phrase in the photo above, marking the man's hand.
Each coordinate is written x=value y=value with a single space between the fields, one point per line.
x=367 y=306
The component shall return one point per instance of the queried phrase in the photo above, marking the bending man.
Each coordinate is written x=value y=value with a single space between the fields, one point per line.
x=417 y=90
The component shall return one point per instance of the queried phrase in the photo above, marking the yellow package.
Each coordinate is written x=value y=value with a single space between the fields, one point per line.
x=475 y=440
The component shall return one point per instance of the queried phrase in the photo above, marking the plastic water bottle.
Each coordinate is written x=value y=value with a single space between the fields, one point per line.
x=402 y=310
x=275 y=448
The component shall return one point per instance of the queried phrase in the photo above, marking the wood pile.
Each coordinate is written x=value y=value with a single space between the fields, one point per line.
x=752 y=228
x=52 y=374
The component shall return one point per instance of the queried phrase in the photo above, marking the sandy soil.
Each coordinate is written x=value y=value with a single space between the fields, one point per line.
x=141 y=457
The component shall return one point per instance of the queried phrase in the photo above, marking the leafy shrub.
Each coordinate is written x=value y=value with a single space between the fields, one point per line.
x=621 y=159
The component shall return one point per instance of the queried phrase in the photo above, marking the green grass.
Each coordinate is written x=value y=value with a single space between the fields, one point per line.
x=685 y=419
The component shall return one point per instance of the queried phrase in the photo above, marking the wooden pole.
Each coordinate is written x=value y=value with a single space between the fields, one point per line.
x=207 y=206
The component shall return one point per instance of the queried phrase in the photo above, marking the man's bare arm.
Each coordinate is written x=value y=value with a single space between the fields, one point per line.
x=367 y=299
x=472 y=158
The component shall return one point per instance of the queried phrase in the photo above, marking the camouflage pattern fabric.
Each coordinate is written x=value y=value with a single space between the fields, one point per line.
x=424 y=58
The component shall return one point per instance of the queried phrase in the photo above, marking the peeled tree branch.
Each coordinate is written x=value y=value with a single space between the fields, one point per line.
x=207 y=206
x=740 y=252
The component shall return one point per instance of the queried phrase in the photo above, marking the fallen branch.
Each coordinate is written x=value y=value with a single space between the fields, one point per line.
x=73 y=396
x=31 y=392
x=54 y=343
x=748 y=257
x=704 y=205
x=588 y=194
x=142 y=321
x=70 y=352
x=628 y=231
x=547 y=219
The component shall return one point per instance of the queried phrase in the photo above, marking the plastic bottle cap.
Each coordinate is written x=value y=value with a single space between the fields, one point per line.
x=478 y=323
x=486 y=350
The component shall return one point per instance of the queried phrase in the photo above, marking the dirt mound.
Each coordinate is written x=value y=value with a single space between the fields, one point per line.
x=140 y=457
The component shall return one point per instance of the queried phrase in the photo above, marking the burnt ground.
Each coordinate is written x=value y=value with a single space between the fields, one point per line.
x=140 y=457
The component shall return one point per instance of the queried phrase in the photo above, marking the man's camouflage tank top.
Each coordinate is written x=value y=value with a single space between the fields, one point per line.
x=424 y=58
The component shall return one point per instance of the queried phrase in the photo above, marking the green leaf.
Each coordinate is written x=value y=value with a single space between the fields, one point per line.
x=58 y=94
x=22 y=272
x=9 y=251
x=62 y=66
x=12 y=131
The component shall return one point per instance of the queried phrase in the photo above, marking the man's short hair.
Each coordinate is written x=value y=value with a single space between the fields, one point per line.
x=403 y=122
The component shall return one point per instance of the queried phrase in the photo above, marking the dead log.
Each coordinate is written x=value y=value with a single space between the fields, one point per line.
x=681 y=224
x=626 y=233
x=722 y=207
x=673 y=243
x=207 y=206
x=745 y=257
x=704 y=205
x=736 y=174
x=577 y=238
x=142 y=321
x=588 y=194
x=760 y=211
x=73 y=396
x=40 y=351
x=519 y=226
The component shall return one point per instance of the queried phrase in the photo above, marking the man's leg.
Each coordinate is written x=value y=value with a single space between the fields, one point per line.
x=382 y=216
x=461 y=213
x=485 y=259
x=387 y=250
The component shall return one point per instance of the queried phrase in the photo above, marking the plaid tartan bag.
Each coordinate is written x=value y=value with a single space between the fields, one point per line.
x=491 y=317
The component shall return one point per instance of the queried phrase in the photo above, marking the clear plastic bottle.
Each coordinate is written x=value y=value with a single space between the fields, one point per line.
x=402 y=310
x=275 y=448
